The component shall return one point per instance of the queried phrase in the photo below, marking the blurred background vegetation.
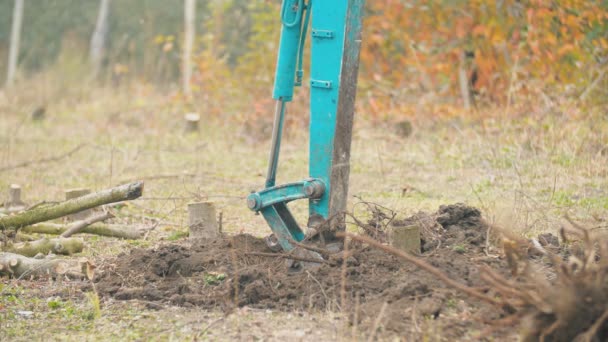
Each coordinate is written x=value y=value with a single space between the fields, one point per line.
x=419 y=57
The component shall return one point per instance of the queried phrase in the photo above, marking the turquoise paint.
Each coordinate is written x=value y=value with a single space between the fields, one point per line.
x=283 y=193
x=327 y=55
x=326 y=64
x=291 y=29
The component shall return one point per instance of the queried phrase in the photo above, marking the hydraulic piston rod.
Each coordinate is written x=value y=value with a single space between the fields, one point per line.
x=275 y=145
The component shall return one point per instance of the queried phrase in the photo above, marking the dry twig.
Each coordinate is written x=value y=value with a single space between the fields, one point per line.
x=425 y=266
x=42 y=160
x=287 y=256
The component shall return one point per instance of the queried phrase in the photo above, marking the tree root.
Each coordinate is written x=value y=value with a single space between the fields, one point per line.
x=566 y=301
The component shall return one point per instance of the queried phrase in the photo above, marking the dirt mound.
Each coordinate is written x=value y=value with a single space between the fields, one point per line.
x=222 y=273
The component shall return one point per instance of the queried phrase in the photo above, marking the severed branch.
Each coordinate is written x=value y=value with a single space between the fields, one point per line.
x=78 y=226
x=43 y=160
x=64 y=246
x=120 y=193
x=101 y=229
x=19 y=266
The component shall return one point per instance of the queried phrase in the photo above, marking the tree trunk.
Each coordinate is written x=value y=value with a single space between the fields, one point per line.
x=463 y=80
x=117 y=194
x=13 y=55
x=189 y=33
x=19 y=266
x=97 y=48
x=63 y=246
x=102 y=229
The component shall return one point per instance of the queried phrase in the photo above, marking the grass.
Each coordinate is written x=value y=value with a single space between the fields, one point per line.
x=524 y=174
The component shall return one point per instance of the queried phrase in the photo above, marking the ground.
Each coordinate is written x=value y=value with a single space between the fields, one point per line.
x=523 y=173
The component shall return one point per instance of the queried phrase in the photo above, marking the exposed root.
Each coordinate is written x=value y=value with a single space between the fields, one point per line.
x=565 y=301
x=558 y=298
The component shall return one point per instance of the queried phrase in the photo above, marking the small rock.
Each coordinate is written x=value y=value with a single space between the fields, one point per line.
x=39 y=113
x=404 y=128
x=26 y=314
x=548 y=239
x=430 y=306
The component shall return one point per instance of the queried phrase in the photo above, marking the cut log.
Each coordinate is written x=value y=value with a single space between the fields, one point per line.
x=75 y=193
x=102 y=229
x=63 y=246
x=201 y=221
x=117 y=194
x=19 y=266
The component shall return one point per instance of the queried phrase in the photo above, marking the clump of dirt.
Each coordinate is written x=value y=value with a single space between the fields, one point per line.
x=222 y=273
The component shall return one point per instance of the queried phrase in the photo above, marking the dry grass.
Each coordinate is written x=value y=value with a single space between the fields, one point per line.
x=524 y=172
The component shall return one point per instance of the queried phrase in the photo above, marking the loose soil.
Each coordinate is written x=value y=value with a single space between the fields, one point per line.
x=220 y=274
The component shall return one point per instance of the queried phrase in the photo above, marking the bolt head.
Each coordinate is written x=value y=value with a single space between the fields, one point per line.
x=252 y=202
x=314 y=189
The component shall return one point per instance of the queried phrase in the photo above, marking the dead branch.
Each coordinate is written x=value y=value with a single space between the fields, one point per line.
x=425 y=266
x=590 y=334
x=43 y=160
x=120 y=193
x=78 y=226
x=101 y=229
x=19 y=266
x=63 y=246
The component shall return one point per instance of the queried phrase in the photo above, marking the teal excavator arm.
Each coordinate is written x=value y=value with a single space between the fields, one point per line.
x=335 y=45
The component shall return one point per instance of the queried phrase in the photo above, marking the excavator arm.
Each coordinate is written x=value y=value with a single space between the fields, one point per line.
x=335 y=35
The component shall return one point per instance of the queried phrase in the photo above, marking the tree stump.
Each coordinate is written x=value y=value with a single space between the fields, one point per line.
x=75 y=193
x=14 y=202
x=406 y=238
x=192 y=122
x=202 y=223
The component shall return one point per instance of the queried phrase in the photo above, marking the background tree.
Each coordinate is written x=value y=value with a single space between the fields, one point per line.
x=15 y=39
x=189 y=28
x=98 y=39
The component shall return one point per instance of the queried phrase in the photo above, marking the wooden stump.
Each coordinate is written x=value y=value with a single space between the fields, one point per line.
x=202 y=223
x=406 y=238
x=192 y=122
x=75 y=193
x=14 y=202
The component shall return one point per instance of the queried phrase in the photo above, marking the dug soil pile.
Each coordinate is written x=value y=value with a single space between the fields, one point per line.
x=222 y=274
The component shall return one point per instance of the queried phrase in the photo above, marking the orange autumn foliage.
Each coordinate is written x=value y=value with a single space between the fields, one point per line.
x=513 y=49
